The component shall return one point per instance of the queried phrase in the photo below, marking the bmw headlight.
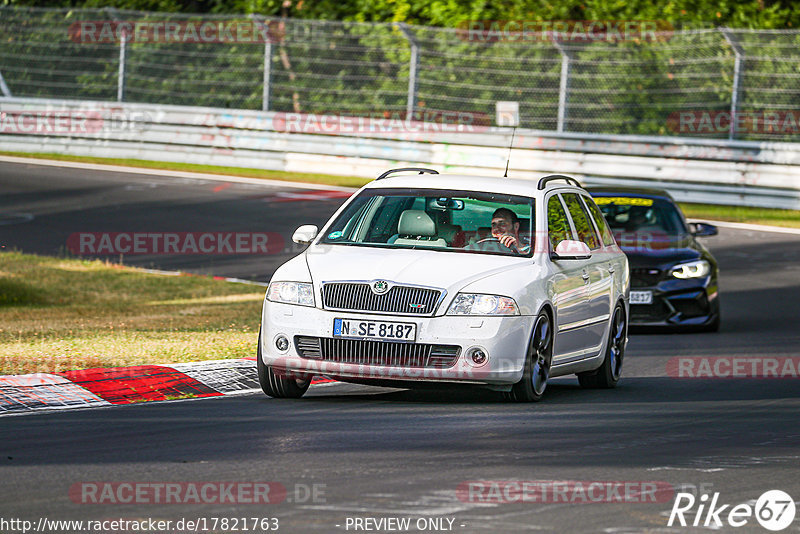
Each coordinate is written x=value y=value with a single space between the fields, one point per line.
x=291 y=293
x=474 y=304
x=692 y=269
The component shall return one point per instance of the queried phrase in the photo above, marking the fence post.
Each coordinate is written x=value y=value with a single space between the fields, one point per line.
x=267 y=75
x=411 y=101
x=123 y=49
x=563 y=86
x=737 y=76
x=266 y=33
x=123 y=52
x=4 y=88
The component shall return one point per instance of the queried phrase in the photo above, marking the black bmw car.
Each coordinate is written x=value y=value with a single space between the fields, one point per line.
x=673 y=276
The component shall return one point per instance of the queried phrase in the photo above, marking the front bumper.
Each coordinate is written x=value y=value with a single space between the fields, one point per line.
x=504 y=339
x=678 y=303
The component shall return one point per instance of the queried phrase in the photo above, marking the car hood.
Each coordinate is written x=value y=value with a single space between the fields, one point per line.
x=661 y=252
x=448 y=270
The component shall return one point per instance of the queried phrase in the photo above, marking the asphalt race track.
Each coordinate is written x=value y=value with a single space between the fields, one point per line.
x=65 y=201
x=379 y=453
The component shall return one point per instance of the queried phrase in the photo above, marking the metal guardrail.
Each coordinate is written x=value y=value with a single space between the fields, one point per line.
x=603 y=77
x=712 y=171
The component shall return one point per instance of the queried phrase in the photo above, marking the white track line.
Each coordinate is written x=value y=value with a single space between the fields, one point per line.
x=184 y=273
x=754 y=227
x=175 y=174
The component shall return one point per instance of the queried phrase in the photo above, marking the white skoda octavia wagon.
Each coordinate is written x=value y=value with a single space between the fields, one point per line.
x=430 y=278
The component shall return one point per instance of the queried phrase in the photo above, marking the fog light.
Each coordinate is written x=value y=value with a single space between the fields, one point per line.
x=281 y=343
x=477 y=355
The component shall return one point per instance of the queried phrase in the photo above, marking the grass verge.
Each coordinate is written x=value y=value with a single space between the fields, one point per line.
x=60 y=314
x=768 y=216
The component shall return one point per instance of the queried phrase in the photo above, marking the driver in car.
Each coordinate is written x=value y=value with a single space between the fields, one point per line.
x=505 y=230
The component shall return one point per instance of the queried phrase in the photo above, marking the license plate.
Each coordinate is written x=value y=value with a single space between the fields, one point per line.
x=383 y=330
x=641 y=297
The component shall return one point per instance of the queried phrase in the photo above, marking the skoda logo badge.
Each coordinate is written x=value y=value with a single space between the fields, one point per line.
x=380 y=287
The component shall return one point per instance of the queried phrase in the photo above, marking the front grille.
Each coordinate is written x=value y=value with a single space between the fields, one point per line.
x=358 y=351
x=691 y=304
x=657 y=311
x=645 y=277
x=308 y=347
x=356 y=296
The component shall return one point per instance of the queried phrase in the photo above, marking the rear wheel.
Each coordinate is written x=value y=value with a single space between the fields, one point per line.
x=607 y=375
x=537 y=364
x=276 y=385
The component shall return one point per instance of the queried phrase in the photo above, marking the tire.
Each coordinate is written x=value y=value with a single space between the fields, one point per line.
x=275 y=385
x=537 y=363
x=608 y=374
x=714 y=325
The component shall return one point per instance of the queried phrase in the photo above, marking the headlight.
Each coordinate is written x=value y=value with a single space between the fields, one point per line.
x=692 y=269
x=471 y=304
x=291 y=293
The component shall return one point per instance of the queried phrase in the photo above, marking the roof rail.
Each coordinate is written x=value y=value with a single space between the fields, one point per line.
x=550 y=178
x=420 y=169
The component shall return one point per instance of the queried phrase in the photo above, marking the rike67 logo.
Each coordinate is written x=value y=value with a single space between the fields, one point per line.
x=774 y=510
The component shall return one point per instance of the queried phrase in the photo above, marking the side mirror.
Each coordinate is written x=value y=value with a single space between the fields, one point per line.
x=700 y=229
x=571 y=250
x=305 y=234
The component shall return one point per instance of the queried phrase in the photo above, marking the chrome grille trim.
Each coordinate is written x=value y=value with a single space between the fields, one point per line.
x=384 y=353
x=357 y=296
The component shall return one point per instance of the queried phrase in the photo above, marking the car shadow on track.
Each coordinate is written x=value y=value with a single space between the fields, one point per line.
x=566 y=391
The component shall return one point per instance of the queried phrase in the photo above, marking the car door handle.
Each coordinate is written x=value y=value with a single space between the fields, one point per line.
x=610 y=269
x=585 y=277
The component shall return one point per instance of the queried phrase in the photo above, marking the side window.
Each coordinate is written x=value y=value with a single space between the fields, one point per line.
x=600 y=221
x=581 y=220
x=557 y=224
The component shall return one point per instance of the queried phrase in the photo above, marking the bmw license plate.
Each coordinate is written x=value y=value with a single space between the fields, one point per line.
x=641 y=297
x=383 y=330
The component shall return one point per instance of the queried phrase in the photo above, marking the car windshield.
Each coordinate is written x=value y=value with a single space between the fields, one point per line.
x=638 y=215
x=445 y=220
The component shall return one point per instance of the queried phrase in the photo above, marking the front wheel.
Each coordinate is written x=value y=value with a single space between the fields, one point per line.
x=276 y=385
x=537 y=364
x=607 y=375
x=714 y=325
